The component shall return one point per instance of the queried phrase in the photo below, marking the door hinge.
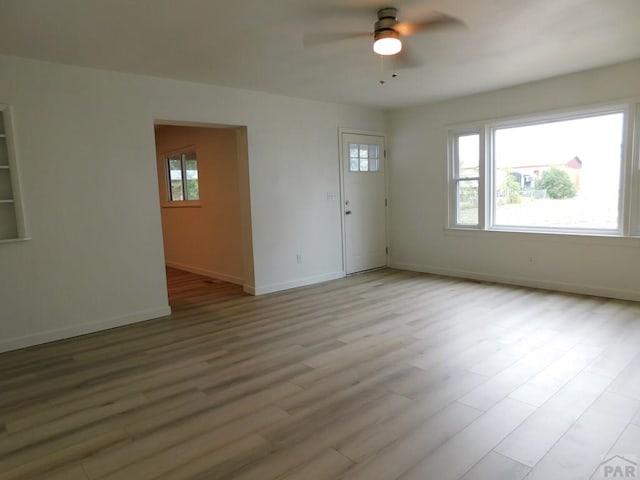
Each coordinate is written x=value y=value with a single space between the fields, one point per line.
x=385 y=153
x=386 y=250
x=385 y=202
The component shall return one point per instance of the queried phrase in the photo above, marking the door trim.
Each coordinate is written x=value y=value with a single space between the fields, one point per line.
x=341 y=166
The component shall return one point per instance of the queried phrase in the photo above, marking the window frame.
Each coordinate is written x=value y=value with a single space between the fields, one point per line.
x=166 y=158
x=632 y=180
x=378 y=158
x=455 y=178
x=629 y=186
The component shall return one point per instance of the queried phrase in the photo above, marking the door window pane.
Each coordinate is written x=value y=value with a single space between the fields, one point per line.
x=364 y=157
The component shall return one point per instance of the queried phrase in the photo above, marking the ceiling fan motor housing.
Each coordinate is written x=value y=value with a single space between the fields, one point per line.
x=387 y=20
x=388 y=12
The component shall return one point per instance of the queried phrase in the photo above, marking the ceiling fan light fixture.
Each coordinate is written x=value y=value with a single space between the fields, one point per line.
x=387 y=42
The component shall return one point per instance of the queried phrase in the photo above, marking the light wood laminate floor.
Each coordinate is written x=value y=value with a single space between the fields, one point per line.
x=384 y=375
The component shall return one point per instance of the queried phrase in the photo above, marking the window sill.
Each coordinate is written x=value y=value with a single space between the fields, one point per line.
x=561 y=237
x=188 y=204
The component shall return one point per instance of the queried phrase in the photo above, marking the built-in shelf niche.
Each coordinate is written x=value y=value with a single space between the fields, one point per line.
x=11 y=215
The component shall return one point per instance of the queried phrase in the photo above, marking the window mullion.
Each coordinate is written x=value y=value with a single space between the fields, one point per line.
x=483 y=188
x=626 y=174
x=452 y=180
x=490 y=172
x=183 y=164
x=167 y=169
x=632 y=173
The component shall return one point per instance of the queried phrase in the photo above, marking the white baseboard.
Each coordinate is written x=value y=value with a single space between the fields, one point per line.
x=39 y=338
x=276 y=287
x=583 y=289
x=206 y=273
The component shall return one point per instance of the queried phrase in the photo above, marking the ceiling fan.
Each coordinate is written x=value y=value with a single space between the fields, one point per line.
x=388 y=33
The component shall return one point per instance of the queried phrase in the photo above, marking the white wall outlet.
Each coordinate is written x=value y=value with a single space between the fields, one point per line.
x=299 y=258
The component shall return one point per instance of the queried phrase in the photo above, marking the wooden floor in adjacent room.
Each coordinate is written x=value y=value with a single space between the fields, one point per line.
x=383 y=375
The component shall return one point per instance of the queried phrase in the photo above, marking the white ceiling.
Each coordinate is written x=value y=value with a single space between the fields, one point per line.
x=258 y=44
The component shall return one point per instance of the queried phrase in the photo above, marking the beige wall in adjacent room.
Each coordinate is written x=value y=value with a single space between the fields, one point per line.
x=205 y=238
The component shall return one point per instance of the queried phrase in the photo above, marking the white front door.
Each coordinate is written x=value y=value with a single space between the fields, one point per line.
x=364 y=208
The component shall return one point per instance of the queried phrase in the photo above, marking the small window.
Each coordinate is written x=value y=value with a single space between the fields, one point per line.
x=182 y=171
x=466 y=178
x=364 y=158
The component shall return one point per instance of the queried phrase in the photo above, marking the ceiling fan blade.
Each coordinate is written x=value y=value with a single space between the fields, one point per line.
x=322 y=38
x=436 y=22
x=407 y=59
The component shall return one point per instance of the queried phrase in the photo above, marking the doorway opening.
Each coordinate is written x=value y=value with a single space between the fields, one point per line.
x=203 y=186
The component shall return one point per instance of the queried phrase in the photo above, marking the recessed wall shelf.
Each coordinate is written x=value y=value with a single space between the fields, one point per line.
x=11 y=216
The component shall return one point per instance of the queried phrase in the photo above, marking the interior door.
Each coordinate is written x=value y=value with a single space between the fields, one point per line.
x=364 y=209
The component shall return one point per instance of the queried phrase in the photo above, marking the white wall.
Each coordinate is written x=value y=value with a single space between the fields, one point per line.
x=419 y=241
x=205 y=239
x=85 y=145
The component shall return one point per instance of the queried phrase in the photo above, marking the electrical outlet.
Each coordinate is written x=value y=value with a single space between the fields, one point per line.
x=299 y=258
